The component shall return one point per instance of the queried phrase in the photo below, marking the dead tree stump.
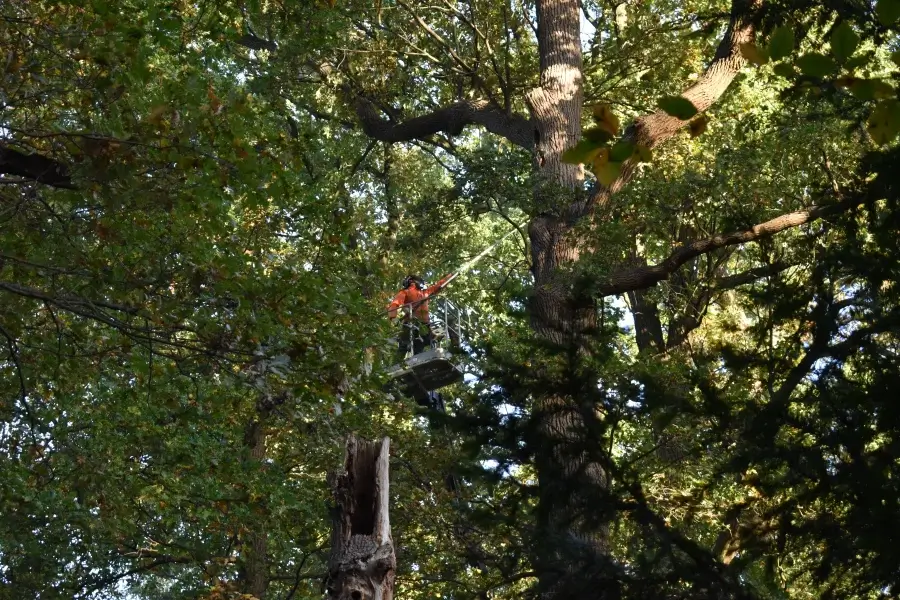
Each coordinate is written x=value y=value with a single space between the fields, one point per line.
x=362 y=561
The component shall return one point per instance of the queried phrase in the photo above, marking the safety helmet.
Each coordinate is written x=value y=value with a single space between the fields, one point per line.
x=413 y=278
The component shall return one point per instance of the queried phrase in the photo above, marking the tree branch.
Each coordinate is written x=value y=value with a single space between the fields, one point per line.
x=651 y=130
x=450 y=119
x=35 y=167
x=254 y=42
x=644 y=277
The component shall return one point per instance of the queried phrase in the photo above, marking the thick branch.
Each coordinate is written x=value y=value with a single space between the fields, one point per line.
x=450 y=119
x=35 y=167
x=651 y=130
x=654 y=129
x=644 y=277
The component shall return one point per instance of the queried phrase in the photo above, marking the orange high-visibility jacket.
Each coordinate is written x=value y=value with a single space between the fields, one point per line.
x=415 y=297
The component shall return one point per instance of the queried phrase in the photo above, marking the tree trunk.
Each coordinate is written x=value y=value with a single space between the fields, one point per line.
x=256 y=569
x=362 y=561
x=558 y=316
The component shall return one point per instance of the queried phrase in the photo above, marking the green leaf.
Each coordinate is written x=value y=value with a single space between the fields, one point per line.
x=884 y=122
x=887 y=11
x=608 y=172
x=856 y=62
x=678 y=106
x=579 y=153
x=815 y=64
x=844 y=41
x=785 y=70
x=895 y=57
x=871 y=89
x=621 y=151
x=754 y=54
x=781 y=43
x=644 y=153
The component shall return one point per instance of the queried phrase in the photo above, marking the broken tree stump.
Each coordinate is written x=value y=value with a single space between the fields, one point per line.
x=362 y=561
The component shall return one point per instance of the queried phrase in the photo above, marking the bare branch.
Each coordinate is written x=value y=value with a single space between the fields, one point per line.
x=749 y=276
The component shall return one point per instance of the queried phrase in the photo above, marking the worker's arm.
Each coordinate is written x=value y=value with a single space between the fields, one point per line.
x=398 y=301
x=436 y=287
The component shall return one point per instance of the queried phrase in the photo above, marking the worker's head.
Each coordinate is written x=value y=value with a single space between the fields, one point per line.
x=413 y=280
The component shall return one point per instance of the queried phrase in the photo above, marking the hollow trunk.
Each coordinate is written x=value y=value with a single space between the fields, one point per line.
x=362 y=561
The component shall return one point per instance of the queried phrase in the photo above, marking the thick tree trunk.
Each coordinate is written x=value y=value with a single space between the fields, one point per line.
x=362 y=561
x=563 y=467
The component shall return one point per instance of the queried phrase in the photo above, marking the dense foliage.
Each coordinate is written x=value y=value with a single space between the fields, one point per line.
x=204 y=207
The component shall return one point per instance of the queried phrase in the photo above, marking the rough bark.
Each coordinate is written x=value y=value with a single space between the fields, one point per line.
x=563 y=465
x=362 y=561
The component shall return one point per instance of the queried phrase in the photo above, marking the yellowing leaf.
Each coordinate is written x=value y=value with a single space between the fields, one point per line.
x=606 y=119
x=608 y=173
x=214 y=103
x=579 y=153
x=597 y=135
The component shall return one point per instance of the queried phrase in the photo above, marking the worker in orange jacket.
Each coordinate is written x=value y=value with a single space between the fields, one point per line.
x=413 y=298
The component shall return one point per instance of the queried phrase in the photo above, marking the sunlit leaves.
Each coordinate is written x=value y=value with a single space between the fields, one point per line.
x=605 y=119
